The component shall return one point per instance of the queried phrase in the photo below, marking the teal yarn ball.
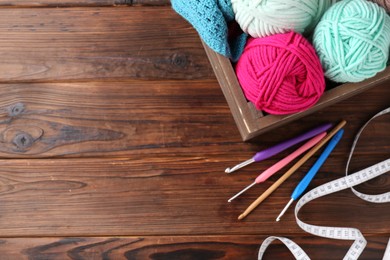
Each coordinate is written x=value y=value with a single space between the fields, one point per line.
x=352 y=40
x=261 y=18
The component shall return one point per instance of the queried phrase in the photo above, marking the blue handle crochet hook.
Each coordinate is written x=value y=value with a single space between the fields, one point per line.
x=301 y=187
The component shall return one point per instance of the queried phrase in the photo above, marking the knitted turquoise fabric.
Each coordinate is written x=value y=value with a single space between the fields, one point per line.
x=226 y=8
x=210 y=18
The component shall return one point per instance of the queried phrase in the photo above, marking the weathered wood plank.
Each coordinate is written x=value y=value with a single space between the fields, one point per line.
x=127 y=118
x=65 y=3
x=46 y=44
x=150 y=181
x=151 y=2
x=164 y=195
x=73 y=3
x=177 y=247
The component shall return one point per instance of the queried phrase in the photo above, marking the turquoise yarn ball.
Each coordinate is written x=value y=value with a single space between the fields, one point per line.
x=352 y=40
x=261 y=18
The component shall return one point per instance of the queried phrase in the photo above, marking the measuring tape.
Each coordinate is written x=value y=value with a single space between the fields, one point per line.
x=343 y=233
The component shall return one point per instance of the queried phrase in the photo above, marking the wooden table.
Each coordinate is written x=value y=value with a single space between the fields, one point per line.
x=115 y=136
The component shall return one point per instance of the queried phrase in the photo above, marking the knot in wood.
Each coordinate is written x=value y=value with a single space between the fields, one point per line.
x=179 y=60
x=23 y=140
x=16 y=109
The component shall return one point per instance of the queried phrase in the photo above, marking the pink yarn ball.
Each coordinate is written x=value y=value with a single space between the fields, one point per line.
x=281 y=73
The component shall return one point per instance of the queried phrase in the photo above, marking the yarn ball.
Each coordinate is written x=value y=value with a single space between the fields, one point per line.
x=266 y=17
x=352 y=40
x=281 y=73
x=384 y=3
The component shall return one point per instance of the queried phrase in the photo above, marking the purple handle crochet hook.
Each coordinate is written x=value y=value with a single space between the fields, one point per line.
x=267 y=153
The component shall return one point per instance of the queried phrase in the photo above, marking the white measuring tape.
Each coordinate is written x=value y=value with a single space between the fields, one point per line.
x=343 y=233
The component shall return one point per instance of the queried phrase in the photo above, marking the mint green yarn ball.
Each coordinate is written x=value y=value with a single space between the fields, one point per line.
x=260 y=18
x=352 y=40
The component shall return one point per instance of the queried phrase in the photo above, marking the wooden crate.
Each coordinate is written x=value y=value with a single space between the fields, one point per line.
x=252 y=122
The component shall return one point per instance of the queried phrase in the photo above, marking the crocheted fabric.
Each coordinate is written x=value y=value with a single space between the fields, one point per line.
x=209 y=18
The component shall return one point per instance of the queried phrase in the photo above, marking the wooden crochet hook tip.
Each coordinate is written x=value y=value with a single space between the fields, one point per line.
x=293 y=169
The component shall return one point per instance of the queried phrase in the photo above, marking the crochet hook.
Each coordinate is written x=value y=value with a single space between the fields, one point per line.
x=290 y=171
x=301 y=187
x=267 y=153
x=279 y=165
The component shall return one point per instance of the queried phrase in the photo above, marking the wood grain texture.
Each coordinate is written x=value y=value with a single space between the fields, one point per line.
x=122 y=118
x=176 y=247
x=165 y=195
x=79 y=3
x=151 y=2
x=46 y=44
x=126 y=118
x=66 y=3
x=114 y=137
